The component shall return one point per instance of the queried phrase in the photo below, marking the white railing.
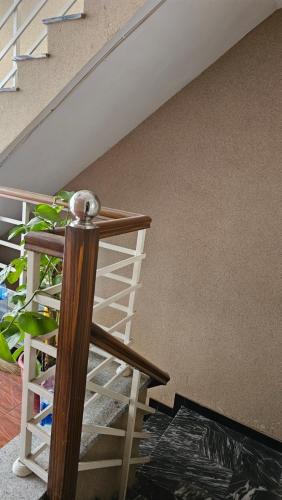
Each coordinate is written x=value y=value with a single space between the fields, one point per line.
x=30 y=424
x=121 y=328
x=18 y=29
x=119 y=266
x=125 y=258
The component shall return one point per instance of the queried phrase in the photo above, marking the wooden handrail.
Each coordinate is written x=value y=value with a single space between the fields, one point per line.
x=53 y=244
x=114 y=227
x=100 y=338
x=47 y=243
x=35 y=198
x=111 y=222
x=28 y=196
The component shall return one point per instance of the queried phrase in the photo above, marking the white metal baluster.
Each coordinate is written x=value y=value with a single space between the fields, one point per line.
x=26 y=210
x=33 y=277
x=140 y=242
x=135 y=279
x=129 y=433
x=16 y=47
x=9 y=13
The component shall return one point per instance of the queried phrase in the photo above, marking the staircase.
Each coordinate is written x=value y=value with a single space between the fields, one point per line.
x=102 y=441
x=91 y=448
x=37 y=56
x=102 y=68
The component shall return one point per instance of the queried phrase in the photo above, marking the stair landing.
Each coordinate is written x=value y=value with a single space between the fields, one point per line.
x=194 y=457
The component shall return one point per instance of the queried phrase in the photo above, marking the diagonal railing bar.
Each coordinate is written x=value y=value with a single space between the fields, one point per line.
x=9 y=13
x=108 y=343
x=8 y=77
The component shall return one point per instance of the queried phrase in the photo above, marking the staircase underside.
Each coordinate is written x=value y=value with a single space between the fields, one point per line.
x=160 y=50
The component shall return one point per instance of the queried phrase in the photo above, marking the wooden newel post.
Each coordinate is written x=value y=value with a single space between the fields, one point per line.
x=80 y=261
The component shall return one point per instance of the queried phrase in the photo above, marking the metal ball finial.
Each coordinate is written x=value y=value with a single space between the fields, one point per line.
x=84 y=205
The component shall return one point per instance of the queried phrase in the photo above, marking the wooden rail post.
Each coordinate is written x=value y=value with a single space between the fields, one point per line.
x=80 y=261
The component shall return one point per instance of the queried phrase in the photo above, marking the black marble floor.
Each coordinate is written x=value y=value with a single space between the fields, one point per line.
x=195 y=458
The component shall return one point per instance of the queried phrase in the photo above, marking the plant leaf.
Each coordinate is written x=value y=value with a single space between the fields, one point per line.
x=7 y=318
x=38 y=367
x=11 y=333
x=21 y=288
x=17 y=353
x=16 y=231
x=19 y=297
x=6 y=328
x=4 y=273
x=4 y=350
x=57 y=279
x=43 y=225
x=44 y=260
x=64 y=195
x=36 y=324
x=33 y=221
x=47 y=212
x=18 y=265
x=13 y=340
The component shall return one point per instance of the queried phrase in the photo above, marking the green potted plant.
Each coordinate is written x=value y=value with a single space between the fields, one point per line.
x=19 y=321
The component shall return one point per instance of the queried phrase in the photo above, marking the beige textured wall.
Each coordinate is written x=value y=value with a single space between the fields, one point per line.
x=207 y=168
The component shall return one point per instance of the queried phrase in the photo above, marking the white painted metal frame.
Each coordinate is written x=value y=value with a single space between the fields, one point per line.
x=18 y=30
x=126 y=258
x=25 y=217
x=30 y=425
x=121 y=328
x=132 y=409
x=133 y=259
x=29 y=362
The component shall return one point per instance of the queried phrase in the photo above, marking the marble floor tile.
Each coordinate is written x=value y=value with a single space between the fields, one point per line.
x=195 y=458
x=258 y=473
x=156 y=425
x=178 y=458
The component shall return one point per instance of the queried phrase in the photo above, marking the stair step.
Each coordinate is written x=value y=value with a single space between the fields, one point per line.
x=9 y=89
x=59 y=19
x=103 y=414
x=28 y=57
